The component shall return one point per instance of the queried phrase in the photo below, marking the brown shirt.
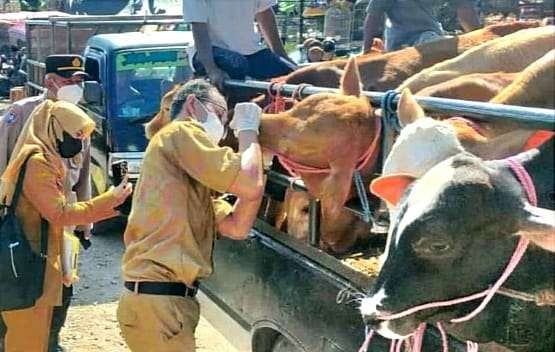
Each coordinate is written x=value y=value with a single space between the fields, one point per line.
x=43 y=195
x=172 y=225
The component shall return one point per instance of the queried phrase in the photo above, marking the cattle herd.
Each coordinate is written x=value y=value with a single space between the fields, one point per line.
x=456 y=208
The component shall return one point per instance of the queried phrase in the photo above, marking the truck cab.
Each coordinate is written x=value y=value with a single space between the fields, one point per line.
x=129 y=74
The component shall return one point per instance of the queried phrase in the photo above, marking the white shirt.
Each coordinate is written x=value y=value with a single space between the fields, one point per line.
x=230 y=22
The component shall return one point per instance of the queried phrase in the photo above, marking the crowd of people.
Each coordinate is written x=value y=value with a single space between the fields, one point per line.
x=45 y=142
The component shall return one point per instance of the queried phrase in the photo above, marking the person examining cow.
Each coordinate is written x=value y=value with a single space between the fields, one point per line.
x=411 y=22
x=55 y=131
x=227 y=44
x=63 y=81
x=171 y=230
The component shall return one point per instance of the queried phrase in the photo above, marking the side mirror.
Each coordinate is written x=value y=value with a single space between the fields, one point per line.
x=92 y=92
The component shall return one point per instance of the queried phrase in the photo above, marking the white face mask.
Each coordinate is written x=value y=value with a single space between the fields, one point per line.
x=72 y=93
x=213 y=127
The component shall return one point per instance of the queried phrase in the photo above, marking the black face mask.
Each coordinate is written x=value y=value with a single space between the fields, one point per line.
x=70 y=146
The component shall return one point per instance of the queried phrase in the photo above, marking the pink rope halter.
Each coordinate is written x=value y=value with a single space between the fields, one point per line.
x=528 y=185
x=294 y=167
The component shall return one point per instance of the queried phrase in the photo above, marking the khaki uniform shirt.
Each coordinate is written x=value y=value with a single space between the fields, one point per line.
x=42 y=179
x=172 y=225
x=78 y=181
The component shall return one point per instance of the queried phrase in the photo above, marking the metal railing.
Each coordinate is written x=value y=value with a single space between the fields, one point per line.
x=526 y=117
x=529 y=118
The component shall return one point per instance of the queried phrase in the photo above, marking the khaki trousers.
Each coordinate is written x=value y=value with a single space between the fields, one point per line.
x=28 y=329
x=158 y=323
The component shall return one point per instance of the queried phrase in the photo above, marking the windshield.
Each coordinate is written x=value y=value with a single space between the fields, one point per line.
x=142 y=79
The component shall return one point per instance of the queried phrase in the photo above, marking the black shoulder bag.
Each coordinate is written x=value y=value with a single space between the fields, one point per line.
x=21 y=268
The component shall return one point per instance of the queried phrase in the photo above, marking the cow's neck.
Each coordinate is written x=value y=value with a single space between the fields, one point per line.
x=536 y=268
x=500 y=146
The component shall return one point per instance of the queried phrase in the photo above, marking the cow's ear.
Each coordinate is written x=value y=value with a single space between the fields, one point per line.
x=350 y=82
x=538 y=225
x=408 y=109
x=391 y=187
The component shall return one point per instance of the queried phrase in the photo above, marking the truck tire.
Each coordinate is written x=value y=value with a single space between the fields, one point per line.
x=282 y=344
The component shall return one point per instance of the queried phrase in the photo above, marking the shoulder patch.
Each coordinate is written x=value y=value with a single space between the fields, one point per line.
x=11 y=117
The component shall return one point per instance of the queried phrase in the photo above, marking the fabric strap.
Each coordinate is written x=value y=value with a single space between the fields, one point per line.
x=13 y=207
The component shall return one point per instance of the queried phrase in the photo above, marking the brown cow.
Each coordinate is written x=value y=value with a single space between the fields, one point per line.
x=163 y=116
x=475 y=86
x=326 y=131
x=512 y=53
x=339 y=233
x=425 y=142
x=387 y=71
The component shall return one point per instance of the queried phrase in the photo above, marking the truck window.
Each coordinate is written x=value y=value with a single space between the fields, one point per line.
x=143 y=77
x=92 y=67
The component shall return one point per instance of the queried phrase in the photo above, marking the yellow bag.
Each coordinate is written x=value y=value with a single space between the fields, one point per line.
x=70 y=259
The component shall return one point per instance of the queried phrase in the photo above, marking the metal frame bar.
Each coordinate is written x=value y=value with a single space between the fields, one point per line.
x=529 y=118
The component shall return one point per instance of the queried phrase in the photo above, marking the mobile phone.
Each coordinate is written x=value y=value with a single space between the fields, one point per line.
x=119 y=171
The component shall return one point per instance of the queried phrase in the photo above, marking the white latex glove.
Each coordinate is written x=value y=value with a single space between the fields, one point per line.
x=246 y=117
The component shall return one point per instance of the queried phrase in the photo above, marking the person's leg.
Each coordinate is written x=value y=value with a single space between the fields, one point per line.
x=59 y=317
x=264 y=64
x=27 y=329
x=234 y=64
x=426 y=37
x=158 y=323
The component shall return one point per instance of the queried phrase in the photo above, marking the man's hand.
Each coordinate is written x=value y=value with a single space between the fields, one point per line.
x=246 y=118
x=217 y=77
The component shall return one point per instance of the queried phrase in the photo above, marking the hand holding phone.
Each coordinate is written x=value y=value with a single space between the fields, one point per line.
x=123 y=189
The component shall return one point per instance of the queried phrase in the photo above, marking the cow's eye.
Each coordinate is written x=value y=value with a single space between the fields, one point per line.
x=432 y=247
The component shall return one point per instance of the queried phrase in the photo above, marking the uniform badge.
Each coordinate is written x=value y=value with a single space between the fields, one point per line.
x=76 y=62
x=11 y=117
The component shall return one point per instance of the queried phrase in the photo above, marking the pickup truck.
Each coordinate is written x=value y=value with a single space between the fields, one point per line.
x=269 y=293
x=131 y=60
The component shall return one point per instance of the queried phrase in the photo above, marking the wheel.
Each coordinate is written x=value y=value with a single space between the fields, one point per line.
x=282 y=344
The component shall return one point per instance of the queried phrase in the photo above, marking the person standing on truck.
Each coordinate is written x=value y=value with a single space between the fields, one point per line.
x=226 y=41
x=412 y=22
x=63 y=81
x=55 y=131
x=171 y=230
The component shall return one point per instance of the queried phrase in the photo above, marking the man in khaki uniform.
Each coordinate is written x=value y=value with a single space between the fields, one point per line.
x=64 y=75
x=173 y=222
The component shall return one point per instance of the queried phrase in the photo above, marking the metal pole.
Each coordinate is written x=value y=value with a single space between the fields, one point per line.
x=301 y=21
x=314 y=222
x=528 y=118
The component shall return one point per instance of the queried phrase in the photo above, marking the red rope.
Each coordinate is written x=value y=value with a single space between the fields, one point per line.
x=294 y=167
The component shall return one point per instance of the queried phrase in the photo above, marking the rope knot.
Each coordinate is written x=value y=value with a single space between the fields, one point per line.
x=389 y=109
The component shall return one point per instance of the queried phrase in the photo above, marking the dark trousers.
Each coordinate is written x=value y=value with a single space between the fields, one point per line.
x=58 y=320
x=262 y=65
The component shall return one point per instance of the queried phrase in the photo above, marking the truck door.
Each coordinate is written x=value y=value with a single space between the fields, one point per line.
x=95 y=66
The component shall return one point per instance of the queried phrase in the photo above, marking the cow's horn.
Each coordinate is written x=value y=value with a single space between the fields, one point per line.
x=538 y=225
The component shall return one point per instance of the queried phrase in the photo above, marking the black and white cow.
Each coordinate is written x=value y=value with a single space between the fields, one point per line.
x=453 y=233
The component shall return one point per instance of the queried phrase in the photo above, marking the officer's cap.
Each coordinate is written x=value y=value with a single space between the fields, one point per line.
x=65 y=65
